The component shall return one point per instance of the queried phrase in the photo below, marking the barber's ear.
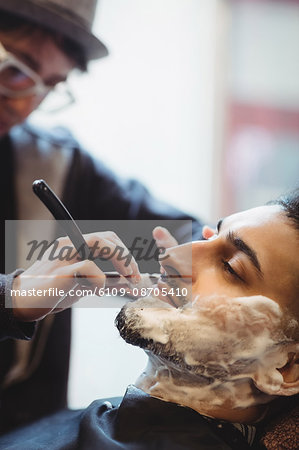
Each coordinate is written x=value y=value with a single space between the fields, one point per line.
x=283 y=380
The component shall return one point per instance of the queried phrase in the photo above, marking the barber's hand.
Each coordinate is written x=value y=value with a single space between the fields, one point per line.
x=54 y=275
x=163 y=238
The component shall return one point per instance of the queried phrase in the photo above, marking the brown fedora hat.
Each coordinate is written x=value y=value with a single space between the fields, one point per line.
x=71 y=18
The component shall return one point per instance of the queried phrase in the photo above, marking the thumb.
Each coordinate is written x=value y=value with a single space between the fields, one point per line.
x=163 y=238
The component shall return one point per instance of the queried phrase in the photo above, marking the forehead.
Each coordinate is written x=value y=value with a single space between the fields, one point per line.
x=261 y=216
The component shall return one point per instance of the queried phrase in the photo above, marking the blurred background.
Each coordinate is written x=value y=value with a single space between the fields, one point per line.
x=200 y=100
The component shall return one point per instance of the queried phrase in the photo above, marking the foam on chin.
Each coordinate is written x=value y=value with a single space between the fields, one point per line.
x=212 y=348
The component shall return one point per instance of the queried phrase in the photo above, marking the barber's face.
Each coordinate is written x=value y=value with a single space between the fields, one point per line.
x=42 y=55
x=232 y=315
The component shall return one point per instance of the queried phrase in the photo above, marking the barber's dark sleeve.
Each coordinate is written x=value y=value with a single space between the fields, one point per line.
x=9 y=326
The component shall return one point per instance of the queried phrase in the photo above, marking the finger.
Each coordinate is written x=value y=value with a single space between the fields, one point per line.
x=104 y=245
x=88 y=278
x=90 y=273
x=129 y=258
x=108 y=245
x=163 y=238
x=62 y=251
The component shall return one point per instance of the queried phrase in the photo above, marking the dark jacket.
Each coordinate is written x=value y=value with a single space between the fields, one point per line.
x=139 y=422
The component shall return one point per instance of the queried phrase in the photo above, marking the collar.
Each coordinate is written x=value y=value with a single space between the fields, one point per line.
x=140 y=411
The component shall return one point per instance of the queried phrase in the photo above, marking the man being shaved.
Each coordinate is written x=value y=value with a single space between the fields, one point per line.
x=221 y=337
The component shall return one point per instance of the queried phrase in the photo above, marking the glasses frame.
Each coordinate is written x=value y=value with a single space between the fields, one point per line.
x=40 y=89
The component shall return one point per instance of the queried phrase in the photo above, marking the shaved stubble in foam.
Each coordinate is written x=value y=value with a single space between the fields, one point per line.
x=214 y=349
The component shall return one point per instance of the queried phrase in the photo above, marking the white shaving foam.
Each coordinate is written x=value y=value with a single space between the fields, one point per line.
x=237 y=337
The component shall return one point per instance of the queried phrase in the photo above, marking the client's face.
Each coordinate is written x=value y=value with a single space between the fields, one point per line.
x=226 y=323
x=255 y=252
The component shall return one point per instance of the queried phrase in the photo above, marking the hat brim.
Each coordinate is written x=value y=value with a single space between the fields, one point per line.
x=53 y=20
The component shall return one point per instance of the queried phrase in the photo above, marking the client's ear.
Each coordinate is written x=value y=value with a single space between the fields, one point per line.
x=284 y=380
x=290 y=374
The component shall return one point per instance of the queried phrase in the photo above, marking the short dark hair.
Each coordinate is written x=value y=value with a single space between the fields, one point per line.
x=15 y=24
x=290 y=205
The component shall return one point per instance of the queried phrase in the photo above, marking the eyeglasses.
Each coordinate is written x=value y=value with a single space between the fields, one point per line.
x=17 y=80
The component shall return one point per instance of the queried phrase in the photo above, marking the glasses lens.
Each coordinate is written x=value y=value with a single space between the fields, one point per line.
x=59 y=98
x=12 y=77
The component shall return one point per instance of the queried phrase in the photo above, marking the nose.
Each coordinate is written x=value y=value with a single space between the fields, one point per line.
x=186 y=261
x=205 y=255
x=177 y=261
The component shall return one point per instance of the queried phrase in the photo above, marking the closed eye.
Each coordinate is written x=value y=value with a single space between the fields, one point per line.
x=228 y=268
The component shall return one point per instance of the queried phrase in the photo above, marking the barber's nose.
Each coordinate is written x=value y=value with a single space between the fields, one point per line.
x=177 y=261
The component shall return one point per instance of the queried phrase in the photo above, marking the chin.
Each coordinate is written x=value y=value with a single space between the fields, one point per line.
x=131 y=324
x=128 y=326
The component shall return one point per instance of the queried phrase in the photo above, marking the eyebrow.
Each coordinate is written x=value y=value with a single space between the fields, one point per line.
x=35 y=65
x=32 y=63
x=240 y=245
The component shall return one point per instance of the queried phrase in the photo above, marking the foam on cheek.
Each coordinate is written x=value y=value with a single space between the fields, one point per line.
x=224 y=339
x=216 y=329
x=239 y=327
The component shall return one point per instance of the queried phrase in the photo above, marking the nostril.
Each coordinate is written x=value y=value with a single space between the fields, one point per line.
x=164 y=276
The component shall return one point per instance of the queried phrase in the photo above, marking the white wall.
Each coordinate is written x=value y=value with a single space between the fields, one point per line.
x=102 y=364
x=265 y=58
x=147 y=110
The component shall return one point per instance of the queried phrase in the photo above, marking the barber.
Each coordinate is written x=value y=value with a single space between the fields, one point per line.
x=42 y=41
